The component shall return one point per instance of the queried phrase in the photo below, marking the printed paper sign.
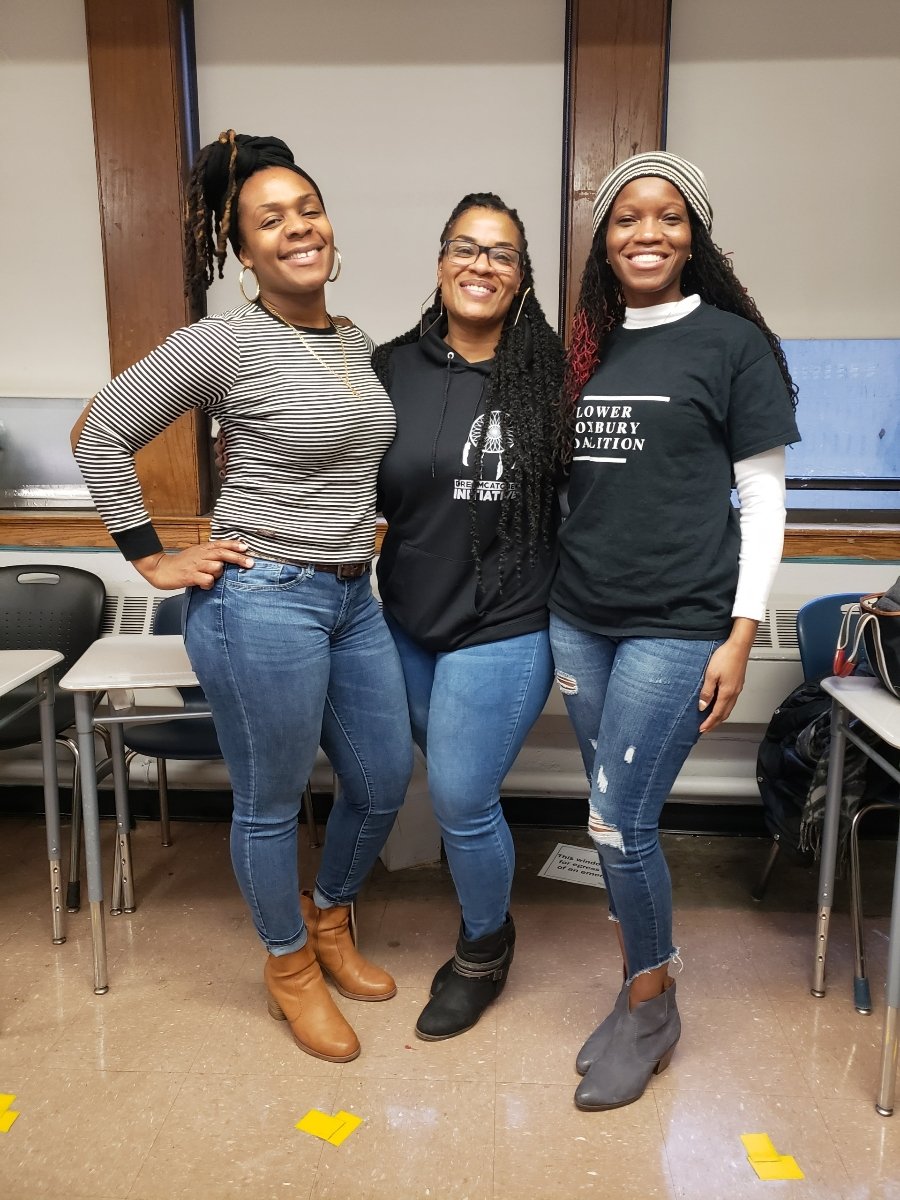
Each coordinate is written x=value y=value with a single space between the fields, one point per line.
x=574 y=864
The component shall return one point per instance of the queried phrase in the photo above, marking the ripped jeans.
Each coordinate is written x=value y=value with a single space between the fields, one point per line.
x=633 y=704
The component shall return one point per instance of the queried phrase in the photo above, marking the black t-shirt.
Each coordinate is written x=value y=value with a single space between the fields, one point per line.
x=650 y=547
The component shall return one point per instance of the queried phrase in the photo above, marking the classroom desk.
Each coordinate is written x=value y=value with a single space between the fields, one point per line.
x=118 y=665
x=874 y=706
x=18 y=667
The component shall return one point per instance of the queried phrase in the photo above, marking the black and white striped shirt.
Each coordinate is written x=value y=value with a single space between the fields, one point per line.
x=303 y=451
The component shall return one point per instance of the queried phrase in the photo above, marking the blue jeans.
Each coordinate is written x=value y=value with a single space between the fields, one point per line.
x=633 y=704
x=471 y=710
x=289 y=657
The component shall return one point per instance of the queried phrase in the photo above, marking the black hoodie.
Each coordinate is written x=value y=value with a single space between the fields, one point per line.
x=426 y=570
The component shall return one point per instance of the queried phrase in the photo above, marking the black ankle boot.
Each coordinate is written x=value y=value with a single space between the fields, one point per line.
x=464 y=987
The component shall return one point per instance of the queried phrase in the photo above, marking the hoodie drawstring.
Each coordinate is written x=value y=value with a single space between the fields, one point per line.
x=450 y=358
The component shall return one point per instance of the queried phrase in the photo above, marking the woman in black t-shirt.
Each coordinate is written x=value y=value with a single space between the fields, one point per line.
x=677 y=391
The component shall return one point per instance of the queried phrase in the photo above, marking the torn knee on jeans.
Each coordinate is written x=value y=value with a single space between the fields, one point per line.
x=567 y=684
x=604 y=835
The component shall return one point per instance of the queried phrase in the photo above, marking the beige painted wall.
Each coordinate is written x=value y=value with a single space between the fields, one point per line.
x=53 y=330
x=397 y=109
x=791 y=108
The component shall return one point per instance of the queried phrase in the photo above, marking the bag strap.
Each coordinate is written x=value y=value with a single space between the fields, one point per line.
x=844 y=664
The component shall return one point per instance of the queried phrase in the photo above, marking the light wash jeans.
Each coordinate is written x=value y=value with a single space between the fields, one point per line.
x=633 y=704
x=290 y=657
x=471 y=710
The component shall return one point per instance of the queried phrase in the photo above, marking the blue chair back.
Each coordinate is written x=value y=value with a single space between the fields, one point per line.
x=818 y=625
x=169 y=619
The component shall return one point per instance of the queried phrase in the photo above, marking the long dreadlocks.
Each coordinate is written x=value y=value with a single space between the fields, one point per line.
x=601 y=307
x=524 y=385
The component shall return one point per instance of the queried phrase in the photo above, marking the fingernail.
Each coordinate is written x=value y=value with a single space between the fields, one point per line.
x=703 y=705
x=249 y=562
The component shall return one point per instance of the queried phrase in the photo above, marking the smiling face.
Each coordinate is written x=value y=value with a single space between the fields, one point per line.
x=286 y=238
x=478 y=293
x=648 y=241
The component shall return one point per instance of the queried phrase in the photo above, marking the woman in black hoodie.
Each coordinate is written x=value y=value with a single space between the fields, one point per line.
x=468 y=490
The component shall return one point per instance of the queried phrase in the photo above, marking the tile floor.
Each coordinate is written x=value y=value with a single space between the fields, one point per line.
x=177 y=1085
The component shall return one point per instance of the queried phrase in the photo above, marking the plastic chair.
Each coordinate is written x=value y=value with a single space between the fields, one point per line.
x=59 y=608
x=818 y=625
x=194 y=740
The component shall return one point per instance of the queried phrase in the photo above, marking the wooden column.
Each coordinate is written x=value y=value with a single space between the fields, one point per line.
x=616 y=68
x=137 y=53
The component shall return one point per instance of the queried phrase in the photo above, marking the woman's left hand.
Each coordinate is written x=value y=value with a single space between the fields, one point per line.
x=724 y=678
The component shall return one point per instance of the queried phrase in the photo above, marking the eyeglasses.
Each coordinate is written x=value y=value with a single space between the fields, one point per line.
x=504 y=259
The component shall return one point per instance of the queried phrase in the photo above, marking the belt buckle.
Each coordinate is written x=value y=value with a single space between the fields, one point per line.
x=351 y=570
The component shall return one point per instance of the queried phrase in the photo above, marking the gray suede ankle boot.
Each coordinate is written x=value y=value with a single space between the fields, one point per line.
x=644 y=1041
x=596 y=1045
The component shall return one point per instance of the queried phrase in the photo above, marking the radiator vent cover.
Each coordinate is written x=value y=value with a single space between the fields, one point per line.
x=128 y=613
x=778 y=631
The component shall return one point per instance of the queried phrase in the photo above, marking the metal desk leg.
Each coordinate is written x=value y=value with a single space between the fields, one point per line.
x=51 y=804
x=888 y=1078
x=84 y=723
x=123 y=881
x=829 y=844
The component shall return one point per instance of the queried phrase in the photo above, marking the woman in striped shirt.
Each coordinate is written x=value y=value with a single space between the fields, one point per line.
x=281 y=626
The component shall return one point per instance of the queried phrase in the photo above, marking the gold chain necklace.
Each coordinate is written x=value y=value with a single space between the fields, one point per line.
x=321 y=361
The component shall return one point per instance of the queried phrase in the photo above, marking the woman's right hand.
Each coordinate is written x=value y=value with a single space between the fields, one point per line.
x=197 y=566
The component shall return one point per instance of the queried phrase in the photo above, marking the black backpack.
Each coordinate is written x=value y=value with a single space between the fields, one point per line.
x=784 y=767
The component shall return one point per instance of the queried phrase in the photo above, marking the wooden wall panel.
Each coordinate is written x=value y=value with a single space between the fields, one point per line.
x=135 y=54
x=616 y=105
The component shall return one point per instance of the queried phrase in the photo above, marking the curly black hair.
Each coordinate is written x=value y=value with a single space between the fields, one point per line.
x=601 y=307
x=525 y=386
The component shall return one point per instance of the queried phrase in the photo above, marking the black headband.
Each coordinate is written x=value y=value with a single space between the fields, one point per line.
x=253 y=154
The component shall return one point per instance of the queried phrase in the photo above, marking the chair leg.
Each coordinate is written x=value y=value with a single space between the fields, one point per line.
x=309 y=813
x=862 y=995
x=123 y=892
x=762 y=885
x=162 y=779
x=73 y=888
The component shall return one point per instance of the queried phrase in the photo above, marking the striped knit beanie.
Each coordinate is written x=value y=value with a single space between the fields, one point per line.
x=659 y=163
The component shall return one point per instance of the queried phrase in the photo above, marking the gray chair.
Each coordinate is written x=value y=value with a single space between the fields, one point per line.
x=49 y=606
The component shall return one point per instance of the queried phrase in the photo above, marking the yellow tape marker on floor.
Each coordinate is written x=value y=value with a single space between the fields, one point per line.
x=784 y=1167
x=759 y=1147
x=6 y=1116
x=330 y=1129
x=765 y=1159
x=349 y=1122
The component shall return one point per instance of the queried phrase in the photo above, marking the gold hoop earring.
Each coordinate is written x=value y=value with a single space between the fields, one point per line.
x=521 y=306
x=340 y=263
x=423 y=308
x=249 y=299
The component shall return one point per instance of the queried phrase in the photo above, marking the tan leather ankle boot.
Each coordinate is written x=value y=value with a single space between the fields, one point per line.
x=329 y=936
x=299 y=995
